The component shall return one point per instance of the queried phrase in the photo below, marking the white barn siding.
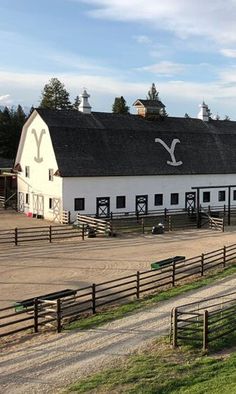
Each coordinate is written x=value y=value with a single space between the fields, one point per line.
x=37 y=184
x=90 y=188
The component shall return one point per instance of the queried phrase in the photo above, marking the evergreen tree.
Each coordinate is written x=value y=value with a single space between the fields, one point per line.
x=76 y=103
x=153 y=93
x=11 y=123
x=119 y=106
x=55 y=96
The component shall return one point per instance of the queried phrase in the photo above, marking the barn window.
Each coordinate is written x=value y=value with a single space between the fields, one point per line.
x=120 y=202
x=234 y=195
x=27 y=171
x=50 y=203
x=50 y=174
x=206 y=196
x=174 y=198
x=221 y=195
x=158 y=199
x=27 y=198
x=79 y=204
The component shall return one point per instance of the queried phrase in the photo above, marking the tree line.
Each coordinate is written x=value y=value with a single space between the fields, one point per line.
x=54 y=96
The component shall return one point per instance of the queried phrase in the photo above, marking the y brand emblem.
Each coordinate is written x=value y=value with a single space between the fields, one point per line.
x=170 y=151
x=38 y=159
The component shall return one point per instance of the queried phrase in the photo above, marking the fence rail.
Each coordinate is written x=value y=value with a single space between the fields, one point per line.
x=99 y=225
x=91 y=299
x=203 y=323
x=44 y=233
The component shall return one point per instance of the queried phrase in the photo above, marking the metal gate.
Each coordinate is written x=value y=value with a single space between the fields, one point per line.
x=56 y=206
x=142 y=205
x=190 y=201
x=21 y=202
x=103 y=207
x=38 y=206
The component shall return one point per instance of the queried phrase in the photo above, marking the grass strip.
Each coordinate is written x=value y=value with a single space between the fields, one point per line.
x=161 y=370
x=118 y=312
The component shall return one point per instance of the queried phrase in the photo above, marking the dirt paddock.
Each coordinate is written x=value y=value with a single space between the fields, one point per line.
x=35 y=269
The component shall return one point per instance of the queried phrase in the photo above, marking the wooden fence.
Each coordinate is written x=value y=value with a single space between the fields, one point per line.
x=92 y=299
x=204 y=322
x=45 y=233
x=2 y=202
x=99 y=225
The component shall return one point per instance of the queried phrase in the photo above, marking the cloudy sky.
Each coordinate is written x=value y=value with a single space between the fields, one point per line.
x=119 y=47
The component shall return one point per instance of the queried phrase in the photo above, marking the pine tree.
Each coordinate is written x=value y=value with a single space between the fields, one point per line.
x=119 y=106
x=153 y=93
x=76 y=103
x=55 y=96
x=11 y=123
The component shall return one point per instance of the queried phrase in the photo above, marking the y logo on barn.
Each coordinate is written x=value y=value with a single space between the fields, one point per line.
x=171 y=151
x=38 y=159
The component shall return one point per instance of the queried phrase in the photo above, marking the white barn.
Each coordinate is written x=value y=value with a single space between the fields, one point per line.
x=97 y=163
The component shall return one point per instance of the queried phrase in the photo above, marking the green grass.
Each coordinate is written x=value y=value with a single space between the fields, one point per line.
x=161 y=370
x=123 y=310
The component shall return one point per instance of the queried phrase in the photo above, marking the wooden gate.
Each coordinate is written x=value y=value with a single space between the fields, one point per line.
x=103 y=207
x=56 y=206
x=190 y=201
x=38 y=206
x=142 y=205
x=21 y=202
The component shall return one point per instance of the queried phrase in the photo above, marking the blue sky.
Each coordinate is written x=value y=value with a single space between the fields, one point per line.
x=119 y=47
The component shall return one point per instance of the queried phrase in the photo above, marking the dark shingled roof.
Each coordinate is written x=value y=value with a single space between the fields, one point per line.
x=106 y=144
x=150 y=103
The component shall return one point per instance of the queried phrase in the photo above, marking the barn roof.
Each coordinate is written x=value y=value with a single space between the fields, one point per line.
x=107 y=144
x=5 y=163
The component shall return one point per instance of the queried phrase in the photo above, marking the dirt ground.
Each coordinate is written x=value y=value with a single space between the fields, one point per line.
x=39 y=268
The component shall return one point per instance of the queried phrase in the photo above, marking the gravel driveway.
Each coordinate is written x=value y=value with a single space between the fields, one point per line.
x=48 y=363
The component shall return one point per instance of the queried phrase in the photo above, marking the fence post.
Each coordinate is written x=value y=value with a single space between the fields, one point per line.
x=58 y=315
x=173 y=273
x=16 y=236
x=205 y=330
x=36 y=315
x=94 y=298
x=165 y=212
x=142 y=225
x=50 y=234
x=68 y=217
x=83 y=232
x=224 y=256
x=223 y=225
x=202 y=264
x=175 y=327
x=138 y=284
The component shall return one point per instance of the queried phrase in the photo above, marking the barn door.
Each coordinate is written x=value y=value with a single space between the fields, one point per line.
x=190 y=201
x=38 y=205
x=21 y=202
x=56 y=206
x=103 y=207
x=142 y=205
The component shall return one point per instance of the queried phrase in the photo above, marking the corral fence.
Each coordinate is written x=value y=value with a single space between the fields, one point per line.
x=203 y=323
x=17 y=235
x=94 y=298
x=2 y=202
x=99 y=225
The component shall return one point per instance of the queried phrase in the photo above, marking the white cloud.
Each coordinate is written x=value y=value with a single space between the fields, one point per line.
x=205 y=19
x=5 y=99
x=142 y=39
x=164 y=68
x=228 y=52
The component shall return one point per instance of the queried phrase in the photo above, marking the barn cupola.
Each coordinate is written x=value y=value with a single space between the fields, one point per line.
x=204 y=113
x=84 y=105
x=152 y=106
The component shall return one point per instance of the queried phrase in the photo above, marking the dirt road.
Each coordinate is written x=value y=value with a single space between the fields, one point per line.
x=47 y=364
